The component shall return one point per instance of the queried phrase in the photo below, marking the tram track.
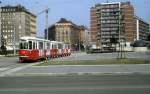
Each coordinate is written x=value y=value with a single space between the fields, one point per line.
x=7 y=64
x=9 y=67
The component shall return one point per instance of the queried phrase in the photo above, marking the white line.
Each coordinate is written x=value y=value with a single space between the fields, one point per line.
x=92 y=65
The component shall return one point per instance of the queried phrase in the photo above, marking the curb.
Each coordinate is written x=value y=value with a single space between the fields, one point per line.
x=70 y=74
x=36 y=65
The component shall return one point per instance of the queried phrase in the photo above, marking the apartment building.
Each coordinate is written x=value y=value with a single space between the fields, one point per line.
x=142 y=29
x=112 y=21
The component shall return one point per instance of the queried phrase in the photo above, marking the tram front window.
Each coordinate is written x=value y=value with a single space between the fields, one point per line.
x=23 y=45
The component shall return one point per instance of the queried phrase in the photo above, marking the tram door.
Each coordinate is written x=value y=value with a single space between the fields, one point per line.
x=40 y=48
x=48 y=49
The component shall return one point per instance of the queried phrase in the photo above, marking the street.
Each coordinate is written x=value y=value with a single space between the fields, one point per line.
x=10 y=65
x=24 y=78
x=102 y=84
x=7 y=63
x=74 y=47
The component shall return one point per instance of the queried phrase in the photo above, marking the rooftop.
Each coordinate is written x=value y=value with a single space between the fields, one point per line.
x=17 y=8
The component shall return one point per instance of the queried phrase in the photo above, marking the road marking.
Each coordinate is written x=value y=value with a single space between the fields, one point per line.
x=110 y=65
x=29 y=89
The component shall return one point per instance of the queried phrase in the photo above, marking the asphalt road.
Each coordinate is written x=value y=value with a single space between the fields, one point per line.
x=102 y=84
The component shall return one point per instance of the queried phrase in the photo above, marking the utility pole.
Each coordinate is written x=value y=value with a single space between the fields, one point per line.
x=119 y=32
x=80 y=41
x=14 y=41
x=0 y=28
x=46 y=13
x=121 y=41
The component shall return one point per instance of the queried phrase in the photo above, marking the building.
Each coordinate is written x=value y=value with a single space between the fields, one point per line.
x=84 y=35
x=112 y=23
x=142 y=29
x=93 y=25
x=51 y=33
x=16 y=21
x=67 y=32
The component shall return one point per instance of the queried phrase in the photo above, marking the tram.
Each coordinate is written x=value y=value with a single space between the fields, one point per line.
x=33 y=49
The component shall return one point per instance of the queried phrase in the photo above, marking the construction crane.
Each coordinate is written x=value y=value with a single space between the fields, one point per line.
x=46 y=10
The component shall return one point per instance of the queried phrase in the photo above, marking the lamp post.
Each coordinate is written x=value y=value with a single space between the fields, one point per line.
x=0 y=27
x=14 y=42
x=79 y=41
x=46 y=24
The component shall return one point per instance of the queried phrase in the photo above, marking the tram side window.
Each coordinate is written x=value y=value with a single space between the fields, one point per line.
x=65 y=46
x=40 y=45
x=30 y=44
x=48 y=46
x=69 y=46
x=54 y=46
x=59 y=46
x=34 y=46
x=21 y=46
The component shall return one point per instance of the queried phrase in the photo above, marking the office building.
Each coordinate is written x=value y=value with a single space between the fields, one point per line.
x=67 y=32
x=142 y=29
x=16 y=21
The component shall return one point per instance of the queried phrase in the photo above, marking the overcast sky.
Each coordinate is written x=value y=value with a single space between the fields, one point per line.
x=78 y=11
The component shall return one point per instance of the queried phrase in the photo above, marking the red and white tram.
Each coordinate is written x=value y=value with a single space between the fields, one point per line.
x=33 y=49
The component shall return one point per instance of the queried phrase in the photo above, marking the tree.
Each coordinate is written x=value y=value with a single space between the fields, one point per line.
x=4 y=50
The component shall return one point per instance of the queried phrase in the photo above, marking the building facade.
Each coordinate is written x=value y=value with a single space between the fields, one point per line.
x=112 y=21
x=67 y=32
x=142 y=29
x=16 y=21
x=84 y=35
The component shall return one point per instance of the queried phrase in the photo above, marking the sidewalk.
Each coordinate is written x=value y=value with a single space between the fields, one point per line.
x=82 y=69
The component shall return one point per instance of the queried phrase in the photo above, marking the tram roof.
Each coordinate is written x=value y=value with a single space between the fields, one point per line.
x=32 y=38
x=38 y=39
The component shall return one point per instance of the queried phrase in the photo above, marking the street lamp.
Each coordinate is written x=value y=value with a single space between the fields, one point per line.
x=0 y=27
x=14 y=42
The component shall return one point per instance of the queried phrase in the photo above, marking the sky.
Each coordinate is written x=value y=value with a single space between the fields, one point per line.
x=77 y=11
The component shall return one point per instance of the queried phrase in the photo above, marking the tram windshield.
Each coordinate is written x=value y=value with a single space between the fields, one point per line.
x=23 y=45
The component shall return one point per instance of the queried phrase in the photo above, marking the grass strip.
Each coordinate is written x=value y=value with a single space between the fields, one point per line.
x=95 y=62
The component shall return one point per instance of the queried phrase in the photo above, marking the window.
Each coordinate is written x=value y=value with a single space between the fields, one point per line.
x=34 y=46
x=23 y=45
x=48 y=46
x=59 y=46
x=40 y=45
x=54 y=46
x=30 y=44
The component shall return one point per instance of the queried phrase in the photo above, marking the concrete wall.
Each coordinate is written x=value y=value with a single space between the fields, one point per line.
x=140 y=49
